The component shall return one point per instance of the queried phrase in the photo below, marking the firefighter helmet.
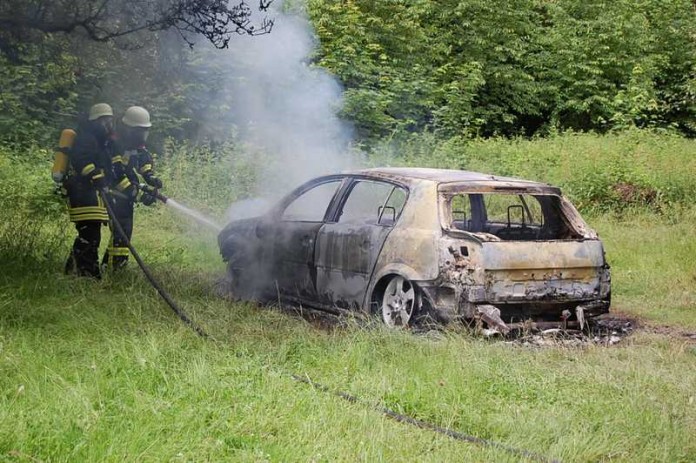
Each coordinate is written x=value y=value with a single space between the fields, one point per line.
x=137 y=116
x=99 y=110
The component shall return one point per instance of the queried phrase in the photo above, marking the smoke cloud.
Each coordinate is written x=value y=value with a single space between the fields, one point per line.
x=287 y=107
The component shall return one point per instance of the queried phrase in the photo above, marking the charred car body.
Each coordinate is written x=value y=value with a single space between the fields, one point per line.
x=407 y=242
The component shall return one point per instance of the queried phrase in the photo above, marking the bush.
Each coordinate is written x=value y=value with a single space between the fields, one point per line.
x=34 y=218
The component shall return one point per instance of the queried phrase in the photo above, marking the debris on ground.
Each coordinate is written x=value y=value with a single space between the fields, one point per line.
x=605 y=330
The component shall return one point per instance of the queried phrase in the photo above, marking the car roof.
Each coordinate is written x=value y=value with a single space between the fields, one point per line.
x=409 y=174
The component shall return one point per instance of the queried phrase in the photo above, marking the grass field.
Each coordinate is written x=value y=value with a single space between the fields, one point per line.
x=103 y=371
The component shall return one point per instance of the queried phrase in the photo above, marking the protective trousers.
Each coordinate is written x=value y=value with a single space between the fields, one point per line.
x=116 y=255
x=84 y=202
x=84 y=258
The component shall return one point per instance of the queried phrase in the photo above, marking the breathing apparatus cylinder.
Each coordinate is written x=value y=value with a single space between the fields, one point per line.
x=60 y=158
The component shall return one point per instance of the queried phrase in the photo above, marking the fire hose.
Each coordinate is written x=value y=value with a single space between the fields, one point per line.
x=155 y=284
x=401 y=418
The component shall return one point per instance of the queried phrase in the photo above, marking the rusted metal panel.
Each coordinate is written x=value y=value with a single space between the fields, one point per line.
x=446 y=176
x=499 y=288
x=511 y=186
x=345 y=255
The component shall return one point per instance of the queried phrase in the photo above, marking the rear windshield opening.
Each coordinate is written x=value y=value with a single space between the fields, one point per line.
x=511 y=216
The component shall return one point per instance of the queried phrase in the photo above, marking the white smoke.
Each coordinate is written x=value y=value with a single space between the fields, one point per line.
x=287 y=107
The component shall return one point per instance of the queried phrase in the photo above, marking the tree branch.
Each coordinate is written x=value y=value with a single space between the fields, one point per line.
x=215 y=20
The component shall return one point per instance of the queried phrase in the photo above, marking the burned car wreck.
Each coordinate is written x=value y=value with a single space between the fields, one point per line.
x=410 y=242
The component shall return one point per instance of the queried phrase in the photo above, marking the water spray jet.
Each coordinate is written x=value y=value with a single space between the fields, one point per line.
x=195 y=215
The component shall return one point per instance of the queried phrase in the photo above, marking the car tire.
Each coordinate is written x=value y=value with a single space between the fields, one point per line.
x=399 y=302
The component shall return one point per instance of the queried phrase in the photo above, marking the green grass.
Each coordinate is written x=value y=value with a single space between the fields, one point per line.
x=103 y=371
x=654 y=267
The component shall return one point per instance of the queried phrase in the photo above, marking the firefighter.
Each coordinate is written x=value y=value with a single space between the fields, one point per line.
x=89 y=171
x=134 y=159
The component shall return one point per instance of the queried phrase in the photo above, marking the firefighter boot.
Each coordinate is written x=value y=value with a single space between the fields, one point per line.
x=85 y=253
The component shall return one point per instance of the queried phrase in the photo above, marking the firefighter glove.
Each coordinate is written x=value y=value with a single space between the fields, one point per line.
x=147 y=198
x=153 y=181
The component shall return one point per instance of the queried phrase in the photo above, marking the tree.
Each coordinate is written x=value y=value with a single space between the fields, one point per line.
x=57 y=57
x=106 y=20
x=37 y=88
x=513 y=67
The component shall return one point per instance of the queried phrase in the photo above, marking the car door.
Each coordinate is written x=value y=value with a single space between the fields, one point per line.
x=348 y=245
x=293 y=235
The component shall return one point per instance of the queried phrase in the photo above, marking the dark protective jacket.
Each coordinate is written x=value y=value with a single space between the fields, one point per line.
x=133 y=159
x=137 y=161
x=90 y=159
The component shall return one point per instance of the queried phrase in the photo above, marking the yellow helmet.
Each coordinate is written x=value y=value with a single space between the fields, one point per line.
x=99 y=110
x=137 y=116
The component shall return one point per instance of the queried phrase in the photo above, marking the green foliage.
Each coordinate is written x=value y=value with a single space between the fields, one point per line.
x=102 y=370
x=209 y=178
x=37 y=90
x=498 y=39
x=613 y=64
x=25 y=181
x=381 y=52
x=519 y=67
x=33 y=217
x=163 y=75
x=49 y=81
x=455 y=68
x=654 y=264
x=633 y=169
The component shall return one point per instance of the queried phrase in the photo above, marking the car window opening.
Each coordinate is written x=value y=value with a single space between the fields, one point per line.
x=511 y=216
x=311 y=205
x=373 y=203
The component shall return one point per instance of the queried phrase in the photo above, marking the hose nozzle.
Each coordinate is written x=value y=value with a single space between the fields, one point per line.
x=147 y=189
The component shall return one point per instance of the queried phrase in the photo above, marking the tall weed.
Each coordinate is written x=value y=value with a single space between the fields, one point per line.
x=650 y=170
x=208 y=177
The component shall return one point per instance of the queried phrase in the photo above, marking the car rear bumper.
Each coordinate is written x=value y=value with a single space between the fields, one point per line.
x=449 y=302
